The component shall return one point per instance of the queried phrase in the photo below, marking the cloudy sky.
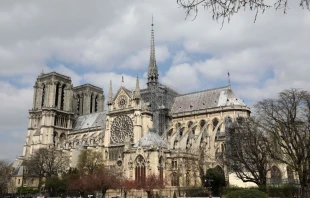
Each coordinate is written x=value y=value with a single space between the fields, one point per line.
x=98 y=41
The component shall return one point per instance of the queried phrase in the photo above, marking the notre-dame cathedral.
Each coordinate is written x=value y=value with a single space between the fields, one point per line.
x=139 y=131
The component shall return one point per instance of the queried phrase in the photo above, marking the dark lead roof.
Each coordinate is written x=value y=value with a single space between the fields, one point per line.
x=202 y=100
x=90 y=120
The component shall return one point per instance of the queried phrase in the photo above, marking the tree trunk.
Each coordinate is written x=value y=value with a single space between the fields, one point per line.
x=103 y=192
x=149 y=194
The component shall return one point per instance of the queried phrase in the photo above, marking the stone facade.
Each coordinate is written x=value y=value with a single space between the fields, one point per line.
x=153 y=130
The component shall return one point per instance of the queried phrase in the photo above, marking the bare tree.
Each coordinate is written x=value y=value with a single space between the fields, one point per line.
x=127 y=185
x=4 y=176
x=105 y=179
x=287 y=120
x=151 y=183
x=248 y=150
x=101 y=179
x=47 y=162
x=90 y=161
x=225 y=9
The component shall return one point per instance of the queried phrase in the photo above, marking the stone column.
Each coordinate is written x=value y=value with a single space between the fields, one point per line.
x=86 y=103
x=69 y=99
x=100 y=102
x=49 y=95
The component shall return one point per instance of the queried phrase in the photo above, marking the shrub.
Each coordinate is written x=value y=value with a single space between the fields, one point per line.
x=247 y=193
x=230 y=189
x=280 y=191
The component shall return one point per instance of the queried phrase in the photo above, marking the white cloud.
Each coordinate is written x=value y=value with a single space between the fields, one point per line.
x=76 y=79
x=180 y=57
x=102 y=40
x=184 y=77
x=103 y=80
x=14 y=105
x=140 y=59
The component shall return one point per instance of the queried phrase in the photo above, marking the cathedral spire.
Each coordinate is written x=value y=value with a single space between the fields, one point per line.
x=110 y=94
x=152 y=75
x=137 y=91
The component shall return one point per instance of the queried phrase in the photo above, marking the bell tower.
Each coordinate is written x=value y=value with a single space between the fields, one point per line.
x=51 y=115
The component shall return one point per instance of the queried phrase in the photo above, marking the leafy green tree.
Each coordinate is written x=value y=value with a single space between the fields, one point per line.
x=55 y=185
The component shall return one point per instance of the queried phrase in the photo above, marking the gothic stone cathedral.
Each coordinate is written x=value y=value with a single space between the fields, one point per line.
x=142 y=131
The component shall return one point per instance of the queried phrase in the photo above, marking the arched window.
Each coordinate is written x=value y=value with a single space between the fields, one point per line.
x=57 y=94
x=174 y=179
x=275 y=178
x=62 y=99
x=140 y=170
x=96 y=103
x=43 y=95
x=202 y=124
x=79 y=105
x=91 y=103
x=215 y=123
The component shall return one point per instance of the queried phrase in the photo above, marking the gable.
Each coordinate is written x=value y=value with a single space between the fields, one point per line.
x=122 y=98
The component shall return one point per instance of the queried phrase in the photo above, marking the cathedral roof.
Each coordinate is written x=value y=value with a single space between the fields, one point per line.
x=18 y=171
x=206 y=99
x=151 y=139
x=90 y=120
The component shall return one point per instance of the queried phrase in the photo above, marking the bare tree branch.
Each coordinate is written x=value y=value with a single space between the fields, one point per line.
x=286 y=119
x=248 y=150
x=225 y=9
x=4 y=176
